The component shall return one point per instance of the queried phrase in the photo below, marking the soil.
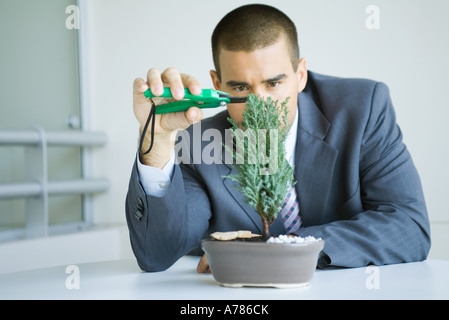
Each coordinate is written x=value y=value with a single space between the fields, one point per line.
x=254 y=239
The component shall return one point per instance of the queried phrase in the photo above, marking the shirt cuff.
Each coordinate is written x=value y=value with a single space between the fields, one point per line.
x=155 y=181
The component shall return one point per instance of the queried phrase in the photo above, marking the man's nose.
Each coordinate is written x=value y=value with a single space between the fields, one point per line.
x=260 y=91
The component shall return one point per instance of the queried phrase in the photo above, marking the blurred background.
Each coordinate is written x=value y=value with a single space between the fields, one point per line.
x=68 y=136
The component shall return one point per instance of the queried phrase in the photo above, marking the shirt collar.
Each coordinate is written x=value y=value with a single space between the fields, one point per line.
x=290 y=141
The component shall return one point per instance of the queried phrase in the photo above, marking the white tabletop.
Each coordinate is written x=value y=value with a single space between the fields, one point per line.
x=122 y=279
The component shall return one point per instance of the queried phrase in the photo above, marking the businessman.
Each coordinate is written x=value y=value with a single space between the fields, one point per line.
x=357 y=187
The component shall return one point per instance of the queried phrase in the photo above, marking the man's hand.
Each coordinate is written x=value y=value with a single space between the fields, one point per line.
x=203 y=265
x=166 y=125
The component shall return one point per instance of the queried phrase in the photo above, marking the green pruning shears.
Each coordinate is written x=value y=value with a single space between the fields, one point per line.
x=209 y=98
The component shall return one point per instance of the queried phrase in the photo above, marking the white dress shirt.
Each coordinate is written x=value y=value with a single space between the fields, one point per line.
x=156 y=182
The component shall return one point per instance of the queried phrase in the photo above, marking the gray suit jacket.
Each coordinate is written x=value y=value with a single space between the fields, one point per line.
x=357 y=186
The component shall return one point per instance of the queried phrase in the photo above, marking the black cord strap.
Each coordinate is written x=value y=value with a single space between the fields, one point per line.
x=152 y=118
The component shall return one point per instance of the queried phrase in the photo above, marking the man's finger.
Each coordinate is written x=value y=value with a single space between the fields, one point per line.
x=181 y=120
x=203 y=265
x=191 y=83
x=194 y=115
x=172 y=78
x=139 y=100
x=154 y=81
x=139 y=85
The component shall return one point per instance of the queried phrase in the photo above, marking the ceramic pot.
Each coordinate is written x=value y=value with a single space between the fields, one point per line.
x=261 y=264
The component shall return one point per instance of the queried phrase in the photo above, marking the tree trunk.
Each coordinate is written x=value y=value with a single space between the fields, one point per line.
x=266 y=228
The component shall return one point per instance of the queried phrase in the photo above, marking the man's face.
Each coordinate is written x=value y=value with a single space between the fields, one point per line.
x=267 y=72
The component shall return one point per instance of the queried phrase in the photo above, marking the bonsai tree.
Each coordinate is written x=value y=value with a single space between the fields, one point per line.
x=264 y=175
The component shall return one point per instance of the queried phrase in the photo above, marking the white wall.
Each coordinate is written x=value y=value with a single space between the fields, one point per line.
x=409 y=53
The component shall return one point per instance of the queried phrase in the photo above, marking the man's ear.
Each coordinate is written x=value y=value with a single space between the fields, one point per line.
x=301 y=73
x=215 y=80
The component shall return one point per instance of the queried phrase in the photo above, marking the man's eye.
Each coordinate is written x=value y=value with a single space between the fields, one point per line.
x=273 y=84
x=241 y=89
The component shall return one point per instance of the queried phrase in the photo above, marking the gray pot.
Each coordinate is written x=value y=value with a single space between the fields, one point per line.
x=261 y=264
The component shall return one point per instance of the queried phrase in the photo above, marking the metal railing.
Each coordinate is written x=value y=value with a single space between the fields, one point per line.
x=38 y=188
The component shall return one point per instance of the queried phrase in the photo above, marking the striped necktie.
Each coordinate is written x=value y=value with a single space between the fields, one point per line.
x=290 y=212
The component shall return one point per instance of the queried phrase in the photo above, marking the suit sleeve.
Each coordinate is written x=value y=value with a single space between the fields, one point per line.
x=393 y=225
x=163 y=229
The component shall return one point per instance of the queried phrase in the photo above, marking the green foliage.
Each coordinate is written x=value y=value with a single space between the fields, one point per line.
x=264 y=175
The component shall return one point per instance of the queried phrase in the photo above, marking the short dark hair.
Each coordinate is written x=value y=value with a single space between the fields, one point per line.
x=252 y=27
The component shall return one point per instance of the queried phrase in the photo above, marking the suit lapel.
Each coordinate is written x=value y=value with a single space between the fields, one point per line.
x=276 y=228
x=238 y=197
x=313 y=173
x=314 y=160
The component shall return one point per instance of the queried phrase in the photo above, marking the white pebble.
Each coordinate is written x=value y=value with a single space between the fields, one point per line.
x=297 y=239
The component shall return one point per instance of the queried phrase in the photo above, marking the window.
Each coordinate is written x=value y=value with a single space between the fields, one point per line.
x=45 y=186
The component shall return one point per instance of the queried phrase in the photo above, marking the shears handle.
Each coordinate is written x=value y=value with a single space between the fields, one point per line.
x=208 y=98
